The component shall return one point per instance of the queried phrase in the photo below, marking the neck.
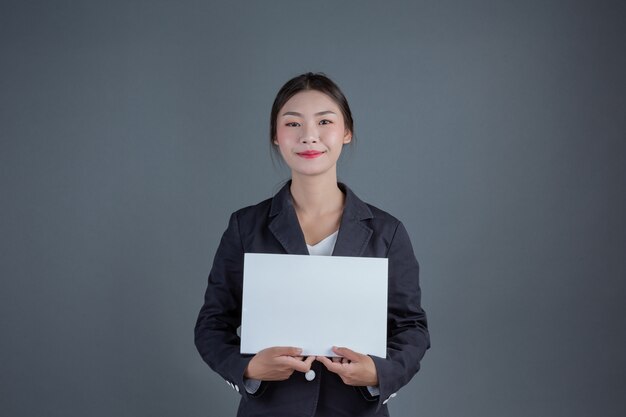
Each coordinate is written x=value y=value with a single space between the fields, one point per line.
x=316 y=195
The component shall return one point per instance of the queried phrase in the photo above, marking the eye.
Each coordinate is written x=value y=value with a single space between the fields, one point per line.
x=292 y=124
x=325 y=122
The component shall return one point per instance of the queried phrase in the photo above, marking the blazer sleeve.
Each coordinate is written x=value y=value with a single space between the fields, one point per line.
x=216 y=328
x=407 y=329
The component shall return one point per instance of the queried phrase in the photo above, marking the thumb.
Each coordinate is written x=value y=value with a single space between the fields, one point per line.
x=309 y=361
x=304 y=366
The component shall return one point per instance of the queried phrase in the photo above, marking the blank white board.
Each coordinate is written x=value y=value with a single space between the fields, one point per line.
x=315 y=303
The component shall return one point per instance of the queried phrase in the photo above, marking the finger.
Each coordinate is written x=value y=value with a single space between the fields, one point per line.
x=298 y=365
x=347 y=353
x=285 y=351
x=322 y=359
x=309 y=361
x=330 y=365
x=336 y=359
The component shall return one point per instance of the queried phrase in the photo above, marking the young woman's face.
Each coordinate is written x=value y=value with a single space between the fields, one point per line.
x=310 y=133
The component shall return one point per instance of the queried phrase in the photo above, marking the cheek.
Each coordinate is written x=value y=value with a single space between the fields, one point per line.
x=281 y=135
x=281 y=141
x=338 y=137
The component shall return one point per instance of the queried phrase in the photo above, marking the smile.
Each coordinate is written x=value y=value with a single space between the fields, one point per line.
x=310 y=154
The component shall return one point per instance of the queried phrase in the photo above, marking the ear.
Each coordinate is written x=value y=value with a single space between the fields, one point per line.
x=347 y=137
x=275 y=142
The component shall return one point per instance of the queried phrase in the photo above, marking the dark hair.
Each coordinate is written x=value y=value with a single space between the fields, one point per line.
x=310 y=81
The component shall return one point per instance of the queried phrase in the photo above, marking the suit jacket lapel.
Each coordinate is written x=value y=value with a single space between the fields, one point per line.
x=354 y=233
x=284 y=224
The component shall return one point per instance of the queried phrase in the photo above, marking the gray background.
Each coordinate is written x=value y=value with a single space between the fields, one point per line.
x=494 y=129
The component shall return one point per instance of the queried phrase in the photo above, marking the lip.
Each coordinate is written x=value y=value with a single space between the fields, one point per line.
x=310 y=154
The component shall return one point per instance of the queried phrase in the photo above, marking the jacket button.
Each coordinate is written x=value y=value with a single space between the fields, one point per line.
x=310 y=375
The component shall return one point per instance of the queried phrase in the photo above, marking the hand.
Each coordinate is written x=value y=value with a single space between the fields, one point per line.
x=353 y=368
x=277 y=364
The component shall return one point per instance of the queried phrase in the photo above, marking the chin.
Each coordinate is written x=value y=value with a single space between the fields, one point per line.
x=311 y=172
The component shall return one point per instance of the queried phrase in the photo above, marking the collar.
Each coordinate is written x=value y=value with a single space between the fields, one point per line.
x=354 y=233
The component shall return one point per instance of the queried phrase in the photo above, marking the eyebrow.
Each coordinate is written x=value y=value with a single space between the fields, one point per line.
x=295 y=113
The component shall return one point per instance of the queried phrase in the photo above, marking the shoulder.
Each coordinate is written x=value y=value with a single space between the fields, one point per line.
x=380 y=215
x=259 y=214
x=384 y=224
x=377 y=218
x=388 y=234
x=252 y=213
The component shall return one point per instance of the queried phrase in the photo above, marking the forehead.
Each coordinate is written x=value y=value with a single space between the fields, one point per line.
x=310 y=101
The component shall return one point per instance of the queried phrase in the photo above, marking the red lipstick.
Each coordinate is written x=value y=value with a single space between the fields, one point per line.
x=310 y=154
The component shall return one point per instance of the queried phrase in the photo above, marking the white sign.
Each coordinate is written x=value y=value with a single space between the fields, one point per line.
x=314 y=303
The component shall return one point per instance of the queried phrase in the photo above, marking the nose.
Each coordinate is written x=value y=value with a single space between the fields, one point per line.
x=310 y=134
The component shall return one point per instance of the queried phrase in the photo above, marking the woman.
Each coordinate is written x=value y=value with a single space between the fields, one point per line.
x=313 y=214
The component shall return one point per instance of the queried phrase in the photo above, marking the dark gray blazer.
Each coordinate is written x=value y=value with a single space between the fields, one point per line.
x=272 y=227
